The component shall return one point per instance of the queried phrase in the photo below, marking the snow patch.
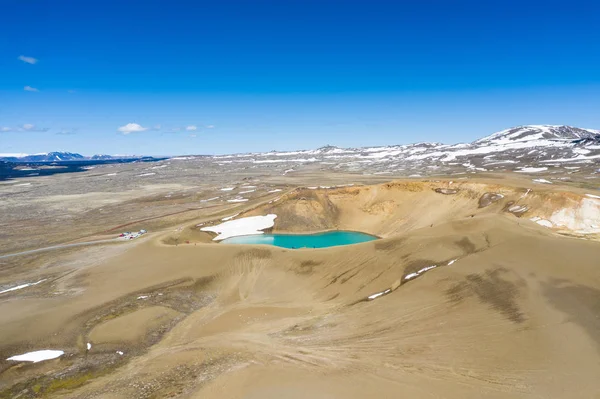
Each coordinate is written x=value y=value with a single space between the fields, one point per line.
x=37 y=356
x=286 y=160
x=241 y=227
x=531 y=170
x=579 y=158
x=230 y=217
x=423 y=270
x=542 y=222
x=377 y=295
x=183 y=158
x=18 y=287
x=410 y=276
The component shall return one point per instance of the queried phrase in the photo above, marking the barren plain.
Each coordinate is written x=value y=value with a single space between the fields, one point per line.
x=489 y=283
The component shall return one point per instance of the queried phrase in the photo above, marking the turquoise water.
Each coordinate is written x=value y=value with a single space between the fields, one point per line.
x=319 y=240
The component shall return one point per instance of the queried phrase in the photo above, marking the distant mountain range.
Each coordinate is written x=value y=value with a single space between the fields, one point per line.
x=60 y=157
x=530 y=148
x=531 y=138
x=522 y=148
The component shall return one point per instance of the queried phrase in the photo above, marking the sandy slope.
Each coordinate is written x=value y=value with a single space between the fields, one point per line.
x=516 y=315
x=401 y=206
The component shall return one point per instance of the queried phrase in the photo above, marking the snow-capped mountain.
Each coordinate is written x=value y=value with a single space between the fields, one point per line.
x=43 y=157
x=528 y=148
x=61 y=157
x=538 y=132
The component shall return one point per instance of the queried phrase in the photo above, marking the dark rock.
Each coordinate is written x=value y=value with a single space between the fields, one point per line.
x=488 y=199
x=446 y=191
x=518 y=210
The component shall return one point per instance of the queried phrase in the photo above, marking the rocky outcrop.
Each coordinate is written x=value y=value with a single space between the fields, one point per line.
x=446 y=191
x=488 y=199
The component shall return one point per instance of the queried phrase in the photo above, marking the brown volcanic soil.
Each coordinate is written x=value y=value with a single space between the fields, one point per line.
x=516 y=314
x=392 y=208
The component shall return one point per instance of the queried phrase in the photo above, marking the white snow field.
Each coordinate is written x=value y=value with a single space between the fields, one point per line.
x=37 y=356
x=242 y=227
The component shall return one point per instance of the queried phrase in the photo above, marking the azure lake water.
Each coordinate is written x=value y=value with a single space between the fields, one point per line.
x=293 y=241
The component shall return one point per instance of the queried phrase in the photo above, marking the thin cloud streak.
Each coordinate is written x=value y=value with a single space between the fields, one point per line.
x=66 y=132
x=29 y=127
x=28 y=60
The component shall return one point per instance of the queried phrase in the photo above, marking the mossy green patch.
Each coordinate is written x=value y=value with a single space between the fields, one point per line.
x=71 y=382
x=44 y=387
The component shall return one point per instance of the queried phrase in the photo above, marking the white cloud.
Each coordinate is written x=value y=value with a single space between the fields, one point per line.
x=29 y=88
x=192 y=135
x=28 y=127
x=191 y=128
x=157 y=127
x=131 y=128
x=210 y=126
x=28 y=60
x=5 y=129
x=66 y=132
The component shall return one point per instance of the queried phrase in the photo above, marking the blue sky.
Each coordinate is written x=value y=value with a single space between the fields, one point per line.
x=233 y=76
